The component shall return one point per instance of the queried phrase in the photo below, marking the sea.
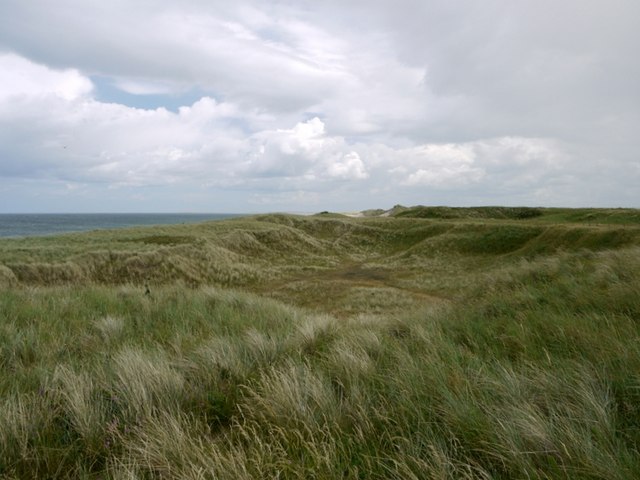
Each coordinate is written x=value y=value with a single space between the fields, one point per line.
x=37 y=224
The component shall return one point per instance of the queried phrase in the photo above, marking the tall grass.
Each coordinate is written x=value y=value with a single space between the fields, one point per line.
x=535 y=376
x=530 y=372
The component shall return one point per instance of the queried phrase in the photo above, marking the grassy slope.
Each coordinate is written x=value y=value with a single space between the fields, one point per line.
x=574 y=215
x=428 y=348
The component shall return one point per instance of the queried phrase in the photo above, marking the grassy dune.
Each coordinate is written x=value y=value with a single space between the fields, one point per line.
x=409 y=346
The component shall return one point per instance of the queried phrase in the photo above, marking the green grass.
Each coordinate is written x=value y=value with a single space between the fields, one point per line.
x=502 y=213
x=553 y=215
x=347 y=348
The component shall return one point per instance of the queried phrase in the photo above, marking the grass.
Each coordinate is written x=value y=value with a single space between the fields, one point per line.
x=554 y=215
x=323 y=347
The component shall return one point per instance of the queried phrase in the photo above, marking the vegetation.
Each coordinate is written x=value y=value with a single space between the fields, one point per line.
x=405 y=346
x=578 y=215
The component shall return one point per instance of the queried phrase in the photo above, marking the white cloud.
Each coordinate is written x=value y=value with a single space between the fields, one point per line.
x=271 y=60
x=141 y=87
x=350 y=166
x=304 y=151
x=77 y=138
x=498 y=102
x=444 y=169
x=23 y=78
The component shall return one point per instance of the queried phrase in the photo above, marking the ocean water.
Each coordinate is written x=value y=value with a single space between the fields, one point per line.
x=35 y=224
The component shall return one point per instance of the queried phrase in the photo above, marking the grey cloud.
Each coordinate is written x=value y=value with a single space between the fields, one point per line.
x=536 y=68
x=191 y=45
x=420 y=101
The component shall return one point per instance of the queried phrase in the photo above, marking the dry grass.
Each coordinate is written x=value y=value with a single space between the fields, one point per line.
x=527 y=369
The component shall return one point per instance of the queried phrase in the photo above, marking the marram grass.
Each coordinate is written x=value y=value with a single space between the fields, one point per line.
x=528 y=367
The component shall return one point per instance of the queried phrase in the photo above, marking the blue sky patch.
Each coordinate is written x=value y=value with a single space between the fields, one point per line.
x=108 y=92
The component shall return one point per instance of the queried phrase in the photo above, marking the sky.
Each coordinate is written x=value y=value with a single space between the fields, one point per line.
x=304 y=106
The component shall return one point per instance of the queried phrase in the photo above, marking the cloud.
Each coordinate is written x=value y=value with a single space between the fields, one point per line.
x=136 y=87
x=72 y=137
x=350 y=166
x=55 y=130
x=280 y=63
x=337 y=102
x=23 y=78
x=304 y=151
x=437 y=165
x=521 y=69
